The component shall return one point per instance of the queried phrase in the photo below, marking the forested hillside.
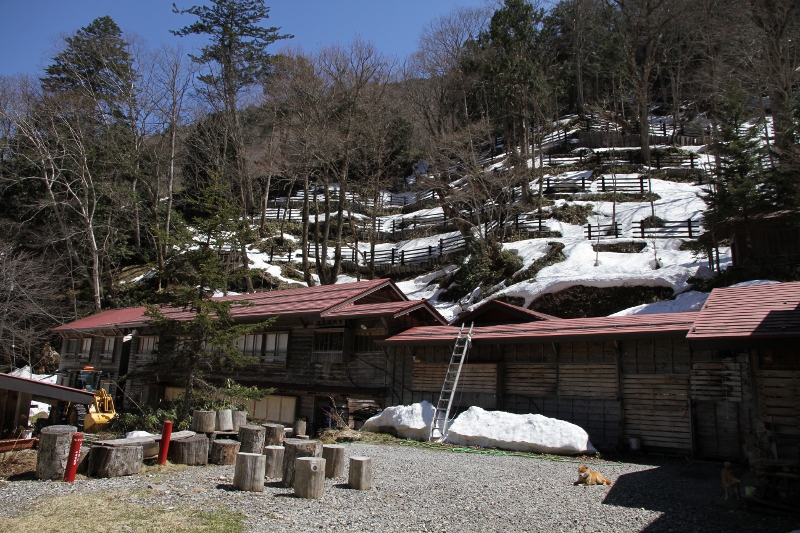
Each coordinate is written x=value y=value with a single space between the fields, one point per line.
x=479 y=166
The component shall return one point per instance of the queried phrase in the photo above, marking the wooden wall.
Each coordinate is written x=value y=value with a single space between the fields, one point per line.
x=614 y=390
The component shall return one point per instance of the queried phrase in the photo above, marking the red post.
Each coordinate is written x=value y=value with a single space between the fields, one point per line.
x=163 y=446
x=74 y=457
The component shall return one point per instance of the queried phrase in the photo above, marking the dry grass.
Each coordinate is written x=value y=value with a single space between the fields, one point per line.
x=118 y=511
x=152 y=467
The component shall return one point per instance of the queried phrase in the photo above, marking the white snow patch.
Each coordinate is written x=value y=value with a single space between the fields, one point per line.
x=407 y=421
x=135 y=434
x=755 y=282
x=688 y=301
x=522 y=433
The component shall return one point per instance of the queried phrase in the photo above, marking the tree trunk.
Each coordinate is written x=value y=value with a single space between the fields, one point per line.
x=294 y=448
x=224 y=420
x=273 y=434
x=309 y=479
x=54 y=443
x=239 y=419
x=360 y=477
x=334 y=460
x=252 y=439
x=223 y=452
x=248 y=474
x=115 y=461
x=299 y=428
x=204 y=421
x=274 y=458
x=191 y=451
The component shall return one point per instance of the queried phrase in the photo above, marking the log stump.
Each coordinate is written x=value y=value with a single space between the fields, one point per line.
x=252 y=439
x=223 y=452
x=294 y=448
x=274 y=466
x=115 y=461
x=191 y=451
x=334 y=460
x=360 y=473
x=249 y=472
x=309 y=477
x=224 y=420
x=54 y=442
x=239 y=419
x=299 y=428
x=273 y=434
x=204 y=421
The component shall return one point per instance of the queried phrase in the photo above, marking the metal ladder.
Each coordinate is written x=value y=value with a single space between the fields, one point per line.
x=439 y=425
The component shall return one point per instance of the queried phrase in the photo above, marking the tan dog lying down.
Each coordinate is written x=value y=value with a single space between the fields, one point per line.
x=590 y=477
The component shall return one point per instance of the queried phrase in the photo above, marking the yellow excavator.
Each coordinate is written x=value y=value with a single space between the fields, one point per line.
x=98 y=415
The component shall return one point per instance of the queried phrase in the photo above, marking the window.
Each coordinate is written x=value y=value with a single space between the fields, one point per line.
x=364 y=340
x=147 y=345
x=85 y=349
x=328 y=346
x=72 y=347
x=250 y=345
x=276 y=349
x=108 y=347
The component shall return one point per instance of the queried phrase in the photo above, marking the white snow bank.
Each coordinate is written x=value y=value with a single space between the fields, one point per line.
x=135 y=434
x=477 y=427
x=522 y=433
x=755 y=282
x=407 y=421
x=688 y=301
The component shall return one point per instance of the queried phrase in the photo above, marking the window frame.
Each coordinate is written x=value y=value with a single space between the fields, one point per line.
x=274 y=357
x=327 y=355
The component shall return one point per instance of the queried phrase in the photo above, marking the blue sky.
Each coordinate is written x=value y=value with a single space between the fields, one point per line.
x=29 y=28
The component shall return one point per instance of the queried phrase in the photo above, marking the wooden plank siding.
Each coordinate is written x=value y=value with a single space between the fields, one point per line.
x=779 y=410
x=473 y=378
x=656 y=410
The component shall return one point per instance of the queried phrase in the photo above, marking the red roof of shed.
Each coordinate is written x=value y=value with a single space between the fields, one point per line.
x=757 y=311
x=395 y=309
x=602 y=328
x=113 y=318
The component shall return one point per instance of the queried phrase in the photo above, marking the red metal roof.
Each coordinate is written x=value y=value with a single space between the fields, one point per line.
x=394 y=309
x=291 y=302
x=602 y=328
x=757 y=311
x=112 y=318
x=44 y=390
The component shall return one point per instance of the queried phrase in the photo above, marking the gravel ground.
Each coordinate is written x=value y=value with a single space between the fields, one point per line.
x=430 y=490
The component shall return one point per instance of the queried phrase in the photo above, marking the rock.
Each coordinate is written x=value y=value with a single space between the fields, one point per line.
x=523 y=433
x=406 y=421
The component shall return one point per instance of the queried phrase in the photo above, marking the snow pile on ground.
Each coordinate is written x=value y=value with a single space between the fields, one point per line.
x=522 y=433
x=136 y=434
x=25 y=372
x=407 y=421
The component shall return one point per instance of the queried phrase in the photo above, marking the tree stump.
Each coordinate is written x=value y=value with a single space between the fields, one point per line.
x=273 y=434
x=294 y=448
x=239 y=419
x=191 y=451
x=224 y=420
x=249 y=472
x=115 y=461
x=299 y=428
x=204 y=421
x=223 y=452
x=54 y=442
x=309 y=477
x=360 y=473
x=334 y=460
x=252 y=439
x=274 y=457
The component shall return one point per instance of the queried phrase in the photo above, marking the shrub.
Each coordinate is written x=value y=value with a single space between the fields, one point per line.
x=577 y=214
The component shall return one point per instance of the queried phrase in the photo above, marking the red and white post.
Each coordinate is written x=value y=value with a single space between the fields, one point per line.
x=74 y=457
x=163 y=446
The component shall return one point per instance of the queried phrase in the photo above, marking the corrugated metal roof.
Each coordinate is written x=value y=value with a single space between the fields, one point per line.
x=291 y=302
x=43 y=390
x=602 y=328
x=394 y=309
x=763 y=311
x=112 y=318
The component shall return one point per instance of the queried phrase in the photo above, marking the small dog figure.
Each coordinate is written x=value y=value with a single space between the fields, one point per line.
x=730 y=482
x=590 y=477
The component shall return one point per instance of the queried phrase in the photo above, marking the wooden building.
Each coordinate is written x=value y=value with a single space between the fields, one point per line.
x=321 y=346
x=721 y=383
